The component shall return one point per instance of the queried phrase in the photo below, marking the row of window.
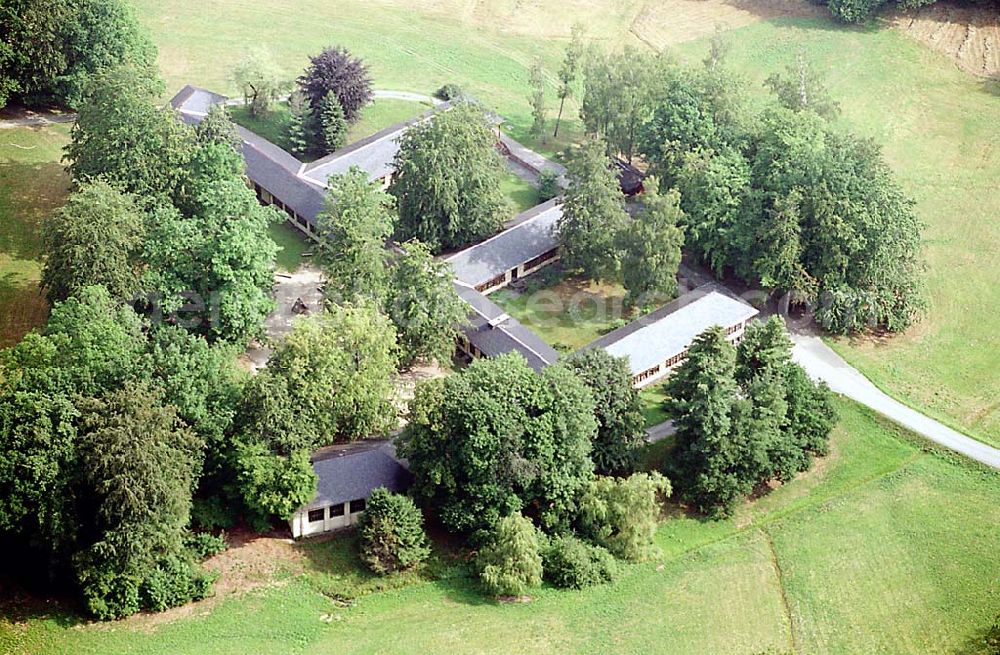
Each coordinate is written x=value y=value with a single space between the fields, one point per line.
x=317 y=515
x=541 y=259
x=495 y=282
x=734 y=328
x=648 y=373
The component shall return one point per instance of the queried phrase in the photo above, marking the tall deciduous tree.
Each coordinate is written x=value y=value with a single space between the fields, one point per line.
x=620 y=425
x=447 y=180
x=94 y=239
x=217 y=127
x=650 y=247
x=592 y=214
x=339 y=368
x=621 y=514
x=259 y=79
x=122 y=136
x=498 y=438
x=569 y=70
x=212 y=268
x=352 y=237
x=800 y=88
x=537 y=82
x=424 y=305
x=336 y=70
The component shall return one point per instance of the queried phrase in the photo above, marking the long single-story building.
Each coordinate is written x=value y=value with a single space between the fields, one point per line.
x=530 y=242
x=492 y=332
x=658 y=342
x=347 y=476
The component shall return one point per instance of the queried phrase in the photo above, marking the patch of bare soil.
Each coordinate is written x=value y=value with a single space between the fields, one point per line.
x=968 y=34
x=407 y=381
x=252 y=561
x=663 y=24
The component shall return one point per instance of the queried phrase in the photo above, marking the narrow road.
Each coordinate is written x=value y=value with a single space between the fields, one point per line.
x=822 y=363
x=36 y=120
x=660 y=432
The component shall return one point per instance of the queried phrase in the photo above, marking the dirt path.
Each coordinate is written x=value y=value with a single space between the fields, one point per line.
x=968 y=35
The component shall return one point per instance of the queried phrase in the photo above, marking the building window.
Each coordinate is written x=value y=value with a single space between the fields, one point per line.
x=541 y=259
x=495 y=282
x=316 y=515
x=357 y=506
x=648 y=373
x=734 y=328
x=336 y=510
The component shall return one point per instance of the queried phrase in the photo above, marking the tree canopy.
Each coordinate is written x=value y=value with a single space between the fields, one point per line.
x=650 y=246
x=447 y=180
x=592 y=215
x=259 y=79
x=498 y=438
x=94 y=239
x=336 y=70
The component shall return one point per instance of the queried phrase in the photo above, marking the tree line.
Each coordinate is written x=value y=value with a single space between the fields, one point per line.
x=778 y=196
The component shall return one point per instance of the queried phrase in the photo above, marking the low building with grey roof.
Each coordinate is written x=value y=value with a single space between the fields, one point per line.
x=656 y=343
x=348 y=474
x=529 y=243
x=492 y=332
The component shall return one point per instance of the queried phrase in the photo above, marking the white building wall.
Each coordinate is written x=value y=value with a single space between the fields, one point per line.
x=301 y=526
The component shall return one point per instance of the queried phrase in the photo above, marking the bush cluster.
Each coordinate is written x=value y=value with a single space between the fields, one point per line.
x=571 y=563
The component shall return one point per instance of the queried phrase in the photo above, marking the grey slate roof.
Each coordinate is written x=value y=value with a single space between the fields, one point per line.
x=494 y=332
x=266 y=164
x=374 y=155
x=669 y=330
x=533 y=233
x=353 y=471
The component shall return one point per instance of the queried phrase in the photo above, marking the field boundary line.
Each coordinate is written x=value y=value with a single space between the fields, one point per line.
x=780 y=576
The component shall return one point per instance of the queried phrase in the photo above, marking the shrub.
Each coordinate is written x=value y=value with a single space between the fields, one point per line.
x=449 y=92
x=993 y=638
x=392 y=533
x=574 y=564
x=174 y=582
x=510 y=563
x=203 y=545
x=621 y=514
x=548 y=185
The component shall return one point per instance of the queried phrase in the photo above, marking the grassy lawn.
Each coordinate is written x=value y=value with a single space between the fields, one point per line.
x=652 y=398
x=292 y=243
x=377 y=116
x=32 y=185
x=882 y=547
x=568 y=312
x=522 y=194
x=937 y=126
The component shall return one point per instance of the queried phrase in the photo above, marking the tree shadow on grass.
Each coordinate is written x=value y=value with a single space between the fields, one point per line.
x=23 y=307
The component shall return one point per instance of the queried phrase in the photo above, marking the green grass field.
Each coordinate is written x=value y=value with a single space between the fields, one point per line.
x=567 y=312
x=652 y=398
x=522 y=194
x=293 y=245
x=882 y=547
x=32 y=184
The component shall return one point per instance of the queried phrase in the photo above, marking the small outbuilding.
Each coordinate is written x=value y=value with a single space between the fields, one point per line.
x=347 y=476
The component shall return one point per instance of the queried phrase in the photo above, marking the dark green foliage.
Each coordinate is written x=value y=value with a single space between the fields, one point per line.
x=94 y=239
x=620 y=426
x=570 y=563
x=854 y=11
x=203 y=545
x=621 y=514
x=331 y=124
x=173 y=582
x=497 y=438
x=50 y=49
x=424 y=306
x=511 y=563
x=787 y=200
x=548 y=185
x=122 y=136
x=212 y=261
x=745 y=419
x=352 y=238
x=650 y=247
x=449 y=91
x=391 y=532
x=447 y=180
x=300 y=124
x=336 y=70
x=139 y=463
x=593 y=213
x=992 y=639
